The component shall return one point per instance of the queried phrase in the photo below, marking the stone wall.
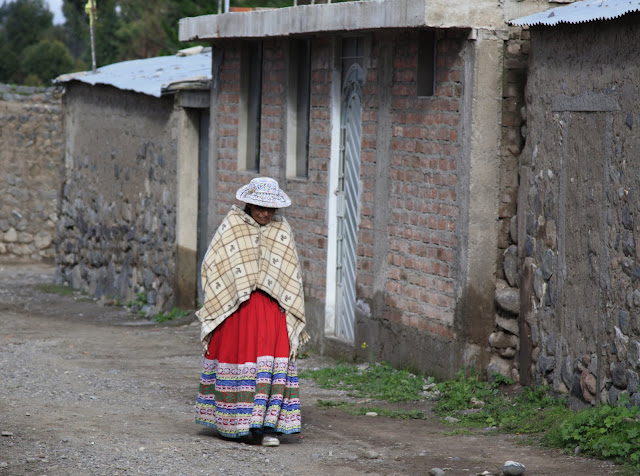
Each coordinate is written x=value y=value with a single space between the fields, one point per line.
x=578 y=210
x=31 y=148
x=116 y=234
x=505 y=340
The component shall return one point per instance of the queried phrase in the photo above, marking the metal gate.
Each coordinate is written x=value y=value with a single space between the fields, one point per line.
x=347 y=203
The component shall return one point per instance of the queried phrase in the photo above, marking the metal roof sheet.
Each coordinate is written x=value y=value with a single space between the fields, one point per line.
x=581 y=12
x=151 y=76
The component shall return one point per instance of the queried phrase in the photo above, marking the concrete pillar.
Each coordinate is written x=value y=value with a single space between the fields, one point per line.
x=187 y=209
x=483 y=97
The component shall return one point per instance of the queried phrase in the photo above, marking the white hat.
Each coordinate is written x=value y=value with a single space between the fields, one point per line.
x=264 y=192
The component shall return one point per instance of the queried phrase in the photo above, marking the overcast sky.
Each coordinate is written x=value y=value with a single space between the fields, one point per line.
x=56 y=8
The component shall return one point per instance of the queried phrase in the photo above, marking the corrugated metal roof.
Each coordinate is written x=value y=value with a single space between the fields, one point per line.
x=581 y=12
x=151 y=76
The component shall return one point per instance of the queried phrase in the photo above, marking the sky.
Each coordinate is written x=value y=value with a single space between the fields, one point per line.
x=56 y=8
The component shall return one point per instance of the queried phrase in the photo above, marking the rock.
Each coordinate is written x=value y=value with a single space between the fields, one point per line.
x=451 y=420
x=370 y=454
x=539 y=284
x=588 y=386
x=500 y=366
x=436 y=472
x=513 y=228
x=502 y=340
x=508 y=353
x=619 y=376
x=372 y=414
x=509 y=325
x=477 y=403
x=633 y=379
x=511 y=266
x=550 y=234
x=43 y=240
x=513 y=468
x=11 y=235
x=613 y=394
x=633 y=354
x=546 y=364
x=547 y=264
x=628 y=244
x=623 y=321
x=508 y=299
x=622 y=343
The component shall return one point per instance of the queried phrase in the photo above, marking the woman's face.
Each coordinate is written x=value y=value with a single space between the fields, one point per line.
x=262 y=215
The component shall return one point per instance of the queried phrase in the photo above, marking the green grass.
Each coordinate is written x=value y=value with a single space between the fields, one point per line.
x=175 y=313
x=377 y=381
x=605 y=432
x=59 y=289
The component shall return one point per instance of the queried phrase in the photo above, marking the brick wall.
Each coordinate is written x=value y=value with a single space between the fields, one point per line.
x=423 y=173
x=425 y=145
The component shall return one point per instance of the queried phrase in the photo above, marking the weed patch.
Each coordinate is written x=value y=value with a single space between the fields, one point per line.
x=175 y=313
x=606 y=431
x=58 y=289
x=377 y=381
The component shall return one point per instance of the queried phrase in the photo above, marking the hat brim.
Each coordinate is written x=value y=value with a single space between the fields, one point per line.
x=267 y=200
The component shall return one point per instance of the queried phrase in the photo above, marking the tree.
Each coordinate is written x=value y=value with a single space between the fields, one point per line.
x=22 y=23
x=47 y=60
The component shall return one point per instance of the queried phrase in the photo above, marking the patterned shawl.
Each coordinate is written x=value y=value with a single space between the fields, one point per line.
x=244 y=256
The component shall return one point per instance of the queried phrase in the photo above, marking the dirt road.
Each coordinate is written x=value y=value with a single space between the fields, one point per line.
x=87 y=389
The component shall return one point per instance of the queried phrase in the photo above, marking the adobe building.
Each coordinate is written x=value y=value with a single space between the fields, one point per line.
x=134 y=133
x=578 y=209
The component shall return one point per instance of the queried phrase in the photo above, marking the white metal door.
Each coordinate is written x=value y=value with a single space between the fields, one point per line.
x=347 y=204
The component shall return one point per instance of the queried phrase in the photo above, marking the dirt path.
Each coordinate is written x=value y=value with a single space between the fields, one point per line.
x=89 y=390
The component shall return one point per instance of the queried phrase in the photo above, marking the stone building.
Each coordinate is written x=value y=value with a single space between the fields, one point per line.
x=578 y=215
x=128 y=226
x=395 y=127
x=31 y=146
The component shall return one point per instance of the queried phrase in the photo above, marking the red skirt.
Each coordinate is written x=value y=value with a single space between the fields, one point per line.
x=247 y=379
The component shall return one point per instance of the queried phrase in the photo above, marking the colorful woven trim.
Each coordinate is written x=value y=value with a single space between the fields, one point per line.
x=235 y=398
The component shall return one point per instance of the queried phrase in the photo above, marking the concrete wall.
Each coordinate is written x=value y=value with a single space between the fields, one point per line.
x=578 y=210
x=117 y=230
x=31 y=145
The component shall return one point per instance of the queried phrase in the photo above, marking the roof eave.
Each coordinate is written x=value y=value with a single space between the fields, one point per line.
x=349 y=16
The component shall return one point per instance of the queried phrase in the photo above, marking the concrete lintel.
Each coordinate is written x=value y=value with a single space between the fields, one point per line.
x=194 y=99
x=349 y=16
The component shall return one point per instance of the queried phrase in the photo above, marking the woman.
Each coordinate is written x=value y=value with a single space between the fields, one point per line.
x=252 y=320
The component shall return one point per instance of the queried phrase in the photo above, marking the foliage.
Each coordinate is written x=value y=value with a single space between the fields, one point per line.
x=175 y=313
x=123 y=30
x=60 y=290
x=479 y=403
x=46 y=60
x=606 y=431
x=138 y=304
x=379 y=381
x=22 y=23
